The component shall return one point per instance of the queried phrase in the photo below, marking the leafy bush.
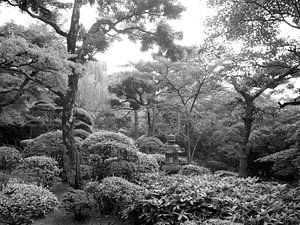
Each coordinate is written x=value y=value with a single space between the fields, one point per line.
x=9 y=158
x=193 y=170
x=176 y=199
x=171 y=169
x=82 y=115
x=120 y=168
x=81 y=133
x=49 y=144
x=39 y=169
x=146 y=163
x=108 y=149
x=80 y=203
x=21 y=203
x=224 y=173
x=83 y=126
x=284 y=164
x=150 y=145
x=216 y=165
x=160 y=158
x=115 y=195
x=4 y=178
x=106 y=136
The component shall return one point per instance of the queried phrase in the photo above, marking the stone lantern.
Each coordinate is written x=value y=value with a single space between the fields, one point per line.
x=173 y=151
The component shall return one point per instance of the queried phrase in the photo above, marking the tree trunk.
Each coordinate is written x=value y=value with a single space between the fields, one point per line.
x=71 y=159
x=150 y=124
x=136 y=123
x=243 y=153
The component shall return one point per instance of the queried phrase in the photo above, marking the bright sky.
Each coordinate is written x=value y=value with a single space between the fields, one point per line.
x=121 y=53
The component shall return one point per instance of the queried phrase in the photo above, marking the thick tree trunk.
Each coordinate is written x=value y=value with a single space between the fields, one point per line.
x=71 y=157
x=244 y=151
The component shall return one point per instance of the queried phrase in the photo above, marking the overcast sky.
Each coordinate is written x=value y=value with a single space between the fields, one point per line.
x=123 y=52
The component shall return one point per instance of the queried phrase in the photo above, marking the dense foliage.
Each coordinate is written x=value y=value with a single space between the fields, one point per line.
x=150 y=145
x=176 y=199
x=80 y=203
x=9 y=159
x=21 y=203
x=41 y=170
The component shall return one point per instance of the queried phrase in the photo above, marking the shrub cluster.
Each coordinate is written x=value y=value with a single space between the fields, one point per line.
x=150 y=145
x=176 y=199
x=115 y=195
x=9 y=159
x=21 y=203
x=41 y=170
x=146 y=163
x=49 y=144
x=193 y=170
x=106 y=136
x=80 y=203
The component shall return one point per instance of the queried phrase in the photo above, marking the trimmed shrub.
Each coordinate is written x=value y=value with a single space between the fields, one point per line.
x=284 y=164
x=146 y=163
x=160 y=158
x=171 y=169
x=224 y=173
x=82 y=115
x=106 y=149
x=83 y=126
x=106 y=136
x=41 y=170
x=216 y=165
x=24 y=143
x=115 y=195
x=150 y=145
x=21 y=203
x=80 y=203
x=120 y=168
x=9 y=158
x=81 y=133
x=193 y=170
x=49 y=144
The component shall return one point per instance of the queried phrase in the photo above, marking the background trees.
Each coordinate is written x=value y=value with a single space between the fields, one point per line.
x=115 y=18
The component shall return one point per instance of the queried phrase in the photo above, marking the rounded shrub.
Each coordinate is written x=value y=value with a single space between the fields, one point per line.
x=39 y=169
x=21 y=203
x=80 y=203
x=82 y=115
x=160 y=158
x=9 y=159
x=120 y=168
x=216 y=165
x=147 y=163
x=115 y=194
x=81 y=133
x=106 y=136
x=150 y=145
x=49 y=144
x=193 y=170
x=83 y=126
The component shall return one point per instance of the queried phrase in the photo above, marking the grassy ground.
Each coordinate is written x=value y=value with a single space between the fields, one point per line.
x=61 y=217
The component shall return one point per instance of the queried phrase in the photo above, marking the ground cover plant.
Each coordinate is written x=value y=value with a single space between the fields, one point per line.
x=177 y=199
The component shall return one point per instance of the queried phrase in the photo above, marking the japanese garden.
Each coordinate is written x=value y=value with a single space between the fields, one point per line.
x=206 y=133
